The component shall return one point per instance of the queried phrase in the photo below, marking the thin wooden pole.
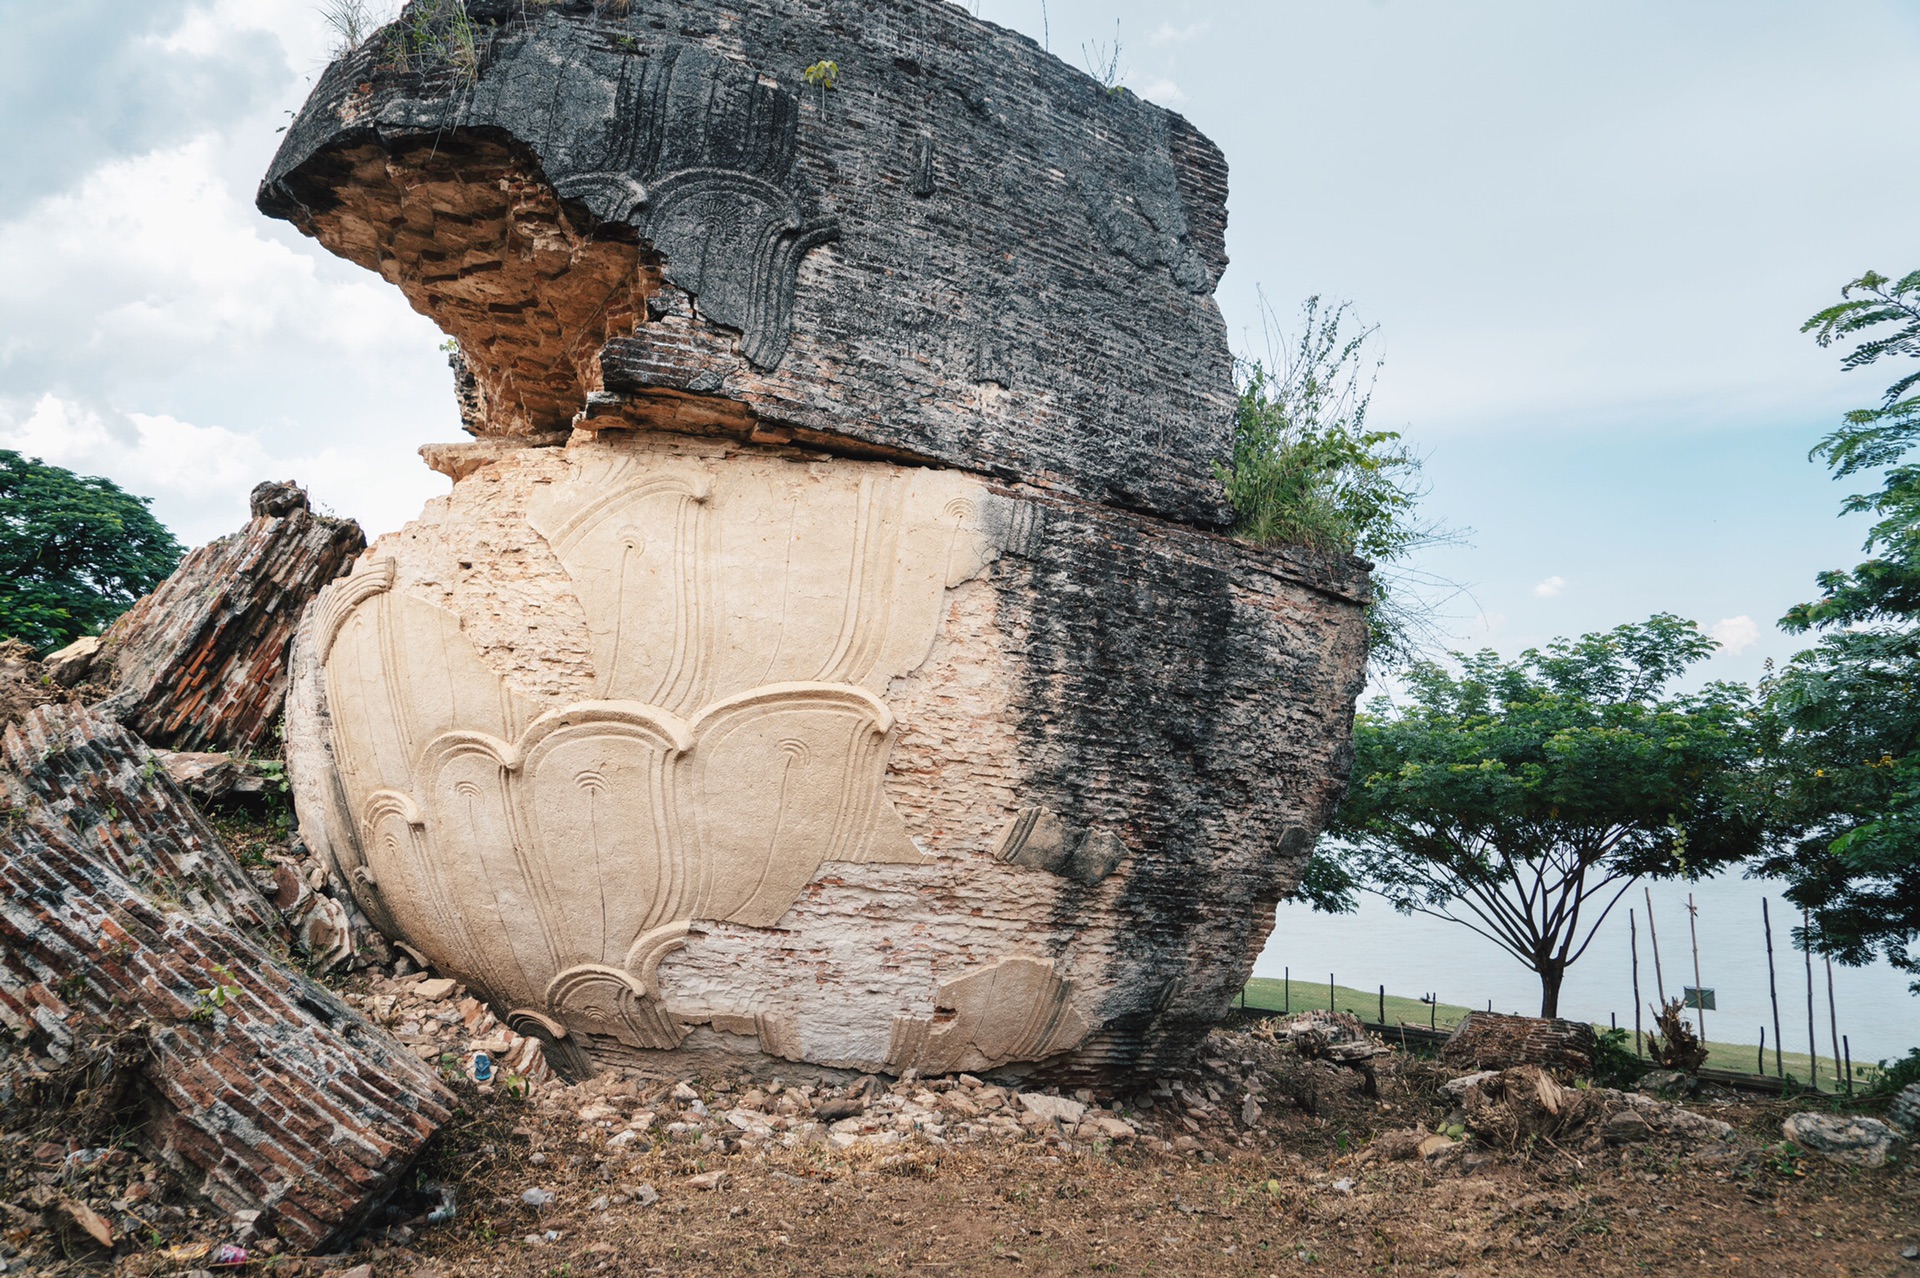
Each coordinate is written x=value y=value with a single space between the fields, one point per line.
x=1833 y=1021
x=1383 y=1005
x=1760 y=1066
x=1847 y=1047
x=1286 y=991
x=1773 y=990
x=1653 y=935
x=1433 y=1011
x=1633 y=934
x=1330 y=999
x=1813 y=1040
x=1699 y=999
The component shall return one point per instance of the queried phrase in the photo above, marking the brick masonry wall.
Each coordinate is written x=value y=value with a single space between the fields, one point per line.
x=266 y=1089
x=979 y=255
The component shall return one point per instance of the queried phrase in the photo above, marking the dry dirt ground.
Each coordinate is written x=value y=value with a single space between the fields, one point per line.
x=1325 y=1179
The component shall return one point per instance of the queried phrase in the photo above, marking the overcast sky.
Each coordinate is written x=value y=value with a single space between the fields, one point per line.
x=1588 y=231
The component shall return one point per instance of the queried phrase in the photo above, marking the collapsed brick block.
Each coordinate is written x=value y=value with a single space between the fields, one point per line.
x=1491 y=1040
x=122 y=917
x=201 y=663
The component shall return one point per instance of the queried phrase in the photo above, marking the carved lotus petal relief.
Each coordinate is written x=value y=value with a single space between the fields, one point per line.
x=744 y=628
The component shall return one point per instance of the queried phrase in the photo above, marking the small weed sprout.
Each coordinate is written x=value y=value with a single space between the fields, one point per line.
x=1103 y=62
x=215 y=997
x=821 y=75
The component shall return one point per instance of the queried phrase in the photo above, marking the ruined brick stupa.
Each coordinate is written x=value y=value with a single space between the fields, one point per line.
x=829 y=651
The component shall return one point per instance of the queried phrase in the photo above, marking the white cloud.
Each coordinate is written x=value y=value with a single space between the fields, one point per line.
x=1162 y=91
x=1551 y=588
x=1735 y=634
x=152 y=455
x=1170 y=34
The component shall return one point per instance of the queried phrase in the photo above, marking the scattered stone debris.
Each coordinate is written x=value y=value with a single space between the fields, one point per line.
x=1493 y=1040
x=201 y=663
x=1513 y=1108
x=1327 y=1035
x=1853 y=1139
x=26 y=684
x=436 y=1020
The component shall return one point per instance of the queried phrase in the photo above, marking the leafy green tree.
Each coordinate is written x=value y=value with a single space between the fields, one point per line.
x=1845 y=713
x=1522 y=798
x=75 y=552
x=1308 y=471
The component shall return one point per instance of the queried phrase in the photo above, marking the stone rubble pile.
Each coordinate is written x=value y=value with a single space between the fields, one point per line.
x=440 y=1023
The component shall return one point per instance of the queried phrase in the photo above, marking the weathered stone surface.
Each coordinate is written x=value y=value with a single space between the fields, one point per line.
x=201 y=663
x=823 y=656
x=1905 y=1114
x=1492 y=1040
x=965 y=252
x=671 y=744
x=72 y=663
x=1852 y=1139
x=119 y=925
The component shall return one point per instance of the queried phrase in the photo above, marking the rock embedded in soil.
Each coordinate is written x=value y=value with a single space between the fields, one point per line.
x=201 y=663
x=1852 y=1139
x=827 y=654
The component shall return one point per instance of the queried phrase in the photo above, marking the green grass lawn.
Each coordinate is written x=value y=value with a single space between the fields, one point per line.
x=1275 y=996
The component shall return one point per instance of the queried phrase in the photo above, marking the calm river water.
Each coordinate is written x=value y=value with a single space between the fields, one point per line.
x=1414 y=955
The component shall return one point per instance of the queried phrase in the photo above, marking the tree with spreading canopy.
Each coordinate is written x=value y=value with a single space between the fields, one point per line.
x=1522 y=798
x=1845 y=714
x=75 y=552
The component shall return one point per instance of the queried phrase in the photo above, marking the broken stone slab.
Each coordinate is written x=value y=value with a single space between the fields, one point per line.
x=201 y=663
x=72 y=664
x=266 y=1089
x=1494 y=1040
x=1852 y=1139
x=1053 y=1108
x=1458 y=1088
x=967 y=252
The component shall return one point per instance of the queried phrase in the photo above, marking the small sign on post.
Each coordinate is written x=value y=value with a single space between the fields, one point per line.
x=1694 y=997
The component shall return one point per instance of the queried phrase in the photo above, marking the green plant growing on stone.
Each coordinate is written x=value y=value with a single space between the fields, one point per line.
x=1307 y=470
x=351 y=21
x=432 y=34
x=215 y=997
x=822 y=75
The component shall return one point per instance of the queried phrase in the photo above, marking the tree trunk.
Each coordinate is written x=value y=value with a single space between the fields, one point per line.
x=1552 y=974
